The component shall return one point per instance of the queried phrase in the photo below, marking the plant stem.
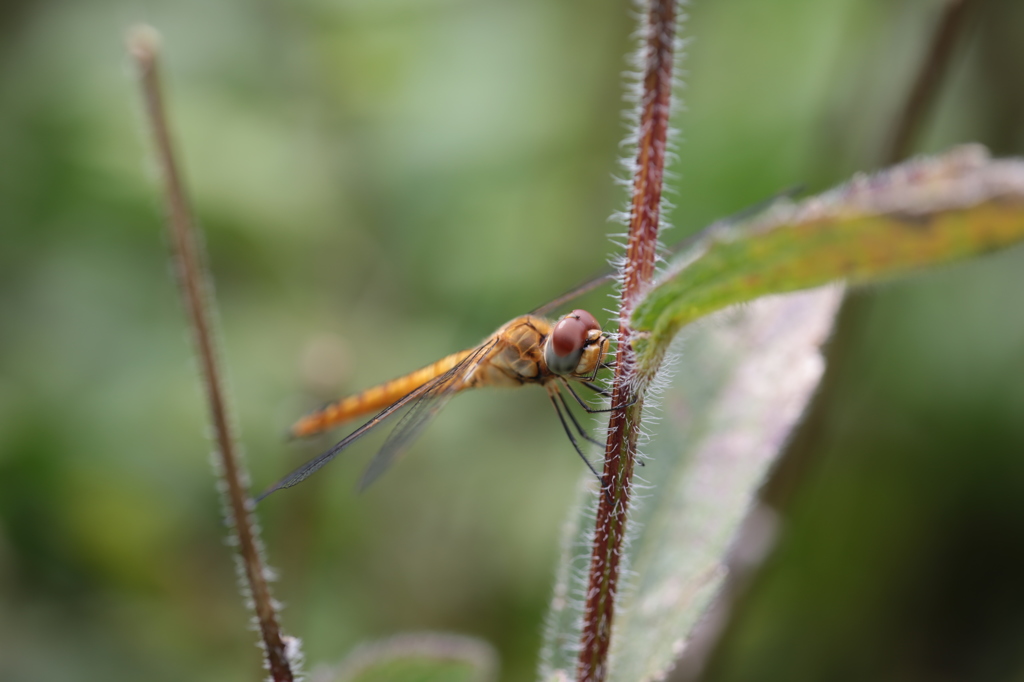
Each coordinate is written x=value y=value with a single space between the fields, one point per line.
x=638 y=269
x=143 y=45
x=920 y=97
x=929 y=78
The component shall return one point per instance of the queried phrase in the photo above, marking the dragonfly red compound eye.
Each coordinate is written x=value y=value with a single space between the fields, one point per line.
x=568 y=336
x=567 y=340
x=588 y=320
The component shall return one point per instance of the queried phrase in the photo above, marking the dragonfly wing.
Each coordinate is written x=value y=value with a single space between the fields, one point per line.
x=416 y=401
x=427 y=405
x=315 y=464
x=686 y=242
x=590 y=285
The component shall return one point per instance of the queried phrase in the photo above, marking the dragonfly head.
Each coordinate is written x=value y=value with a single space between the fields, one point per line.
x=575 y=345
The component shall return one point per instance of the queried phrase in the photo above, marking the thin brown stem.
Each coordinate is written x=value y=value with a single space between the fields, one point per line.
x=143 y=45
x=929 y=78
x=623 y=427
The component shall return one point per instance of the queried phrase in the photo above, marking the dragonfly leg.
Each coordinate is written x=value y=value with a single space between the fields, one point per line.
x=591 y=410
x=596 y=389
x=607 y=491
x=604 y=393
x=572 y=438
x=579 y=428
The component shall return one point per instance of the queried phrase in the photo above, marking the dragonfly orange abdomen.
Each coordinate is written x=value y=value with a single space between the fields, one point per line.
x=372 y=399
x=515 y=358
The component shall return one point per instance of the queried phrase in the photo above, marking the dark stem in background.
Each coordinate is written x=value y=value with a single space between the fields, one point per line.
x=623 y=427
x=933 y=71
x=813 y=433
x=143 y=45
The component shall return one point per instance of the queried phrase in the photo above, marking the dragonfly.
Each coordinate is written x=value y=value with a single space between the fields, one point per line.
x=529 y=349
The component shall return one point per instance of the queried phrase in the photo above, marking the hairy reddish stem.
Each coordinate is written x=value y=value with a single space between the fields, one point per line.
x=194 y=289
x=623 y=427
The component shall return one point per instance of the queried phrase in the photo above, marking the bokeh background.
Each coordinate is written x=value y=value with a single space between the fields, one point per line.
x=383 y=182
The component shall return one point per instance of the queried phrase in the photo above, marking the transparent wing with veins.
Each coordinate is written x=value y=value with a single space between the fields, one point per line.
x=421 y=405
x=676 y=248
x=435 y=395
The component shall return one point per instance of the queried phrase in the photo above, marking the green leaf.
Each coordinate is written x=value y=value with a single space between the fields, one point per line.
x=424 y=657
x=747 y=378
x=742 y=385
x=924 y=212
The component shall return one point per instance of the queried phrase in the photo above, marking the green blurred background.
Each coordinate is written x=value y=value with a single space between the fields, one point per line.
x=382 y=182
